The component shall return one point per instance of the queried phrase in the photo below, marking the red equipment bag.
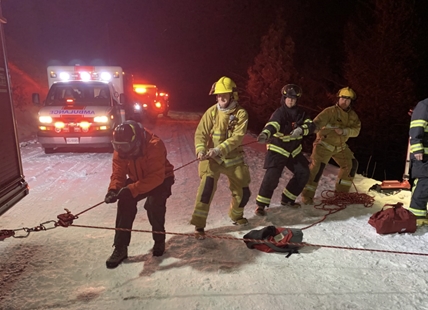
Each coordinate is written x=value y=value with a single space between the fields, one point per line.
x=277 y=239
x=393 y=220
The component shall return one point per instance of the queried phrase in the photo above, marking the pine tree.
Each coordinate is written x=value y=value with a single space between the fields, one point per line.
x=272 y=69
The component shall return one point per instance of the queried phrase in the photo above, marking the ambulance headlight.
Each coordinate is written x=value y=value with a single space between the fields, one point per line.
x=101 y=119
x=45 y=119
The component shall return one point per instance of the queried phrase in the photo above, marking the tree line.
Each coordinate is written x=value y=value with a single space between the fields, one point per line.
x=372 y=47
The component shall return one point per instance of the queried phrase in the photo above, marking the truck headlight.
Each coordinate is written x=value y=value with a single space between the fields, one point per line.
x=45 y=119
x=137 y=107
x=101 y=119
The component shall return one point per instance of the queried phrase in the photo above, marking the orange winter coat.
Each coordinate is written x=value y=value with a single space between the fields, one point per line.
x=148 y=170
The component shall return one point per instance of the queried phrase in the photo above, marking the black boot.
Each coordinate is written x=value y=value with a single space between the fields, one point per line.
x=119 y=254
x=159 y=248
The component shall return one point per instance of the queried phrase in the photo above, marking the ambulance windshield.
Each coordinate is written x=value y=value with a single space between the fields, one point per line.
x=88 y=94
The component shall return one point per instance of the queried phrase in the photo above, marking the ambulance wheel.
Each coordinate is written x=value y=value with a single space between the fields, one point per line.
x=49 y=150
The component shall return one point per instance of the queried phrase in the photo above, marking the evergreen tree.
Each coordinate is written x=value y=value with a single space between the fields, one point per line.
x=380 y=53
x=272 y=69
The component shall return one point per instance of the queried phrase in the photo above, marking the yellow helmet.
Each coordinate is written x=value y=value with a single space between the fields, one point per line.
x=347 y=92
x=224 y=85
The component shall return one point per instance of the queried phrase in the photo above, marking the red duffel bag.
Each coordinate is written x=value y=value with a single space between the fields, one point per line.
x=393 y=218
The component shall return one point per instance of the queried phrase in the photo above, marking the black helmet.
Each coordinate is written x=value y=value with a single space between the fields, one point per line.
x=291 y=91
x=127 y=138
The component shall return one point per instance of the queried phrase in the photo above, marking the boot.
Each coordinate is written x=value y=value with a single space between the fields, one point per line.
x=421 y=221
x=159 y=248
x=260 y=211
x=119 y=254
x=307 y=201
x=242 y=221
x=199 y=233
x=291 y=204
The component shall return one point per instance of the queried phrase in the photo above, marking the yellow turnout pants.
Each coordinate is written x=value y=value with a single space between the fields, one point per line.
x=239 y=180
x=321 y=155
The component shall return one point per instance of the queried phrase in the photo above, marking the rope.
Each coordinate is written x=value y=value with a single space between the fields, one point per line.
x=341 y=201
x=245 y=144
x=186 y=164
x=302 y=244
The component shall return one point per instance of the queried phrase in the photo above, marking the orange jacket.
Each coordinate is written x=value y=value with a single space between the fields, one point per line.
x=147 y=171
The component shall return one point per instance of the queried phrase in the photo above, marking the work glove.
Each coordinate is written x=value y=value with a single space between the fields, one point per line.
x=341 y=131
x=110 y=197
x=214 y=152
x=201 y=155
x=262 y=138
x=124 y=193
x=419 y=156
x=297 y=132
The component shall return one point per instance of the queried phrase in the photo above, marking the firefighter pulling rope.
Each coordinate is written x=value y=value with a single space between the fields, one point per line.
x=341 y=200
x=11 y=233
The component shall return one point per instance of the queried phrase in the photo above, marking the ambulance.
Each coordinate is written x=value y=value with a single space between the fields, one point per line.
x=83 y=106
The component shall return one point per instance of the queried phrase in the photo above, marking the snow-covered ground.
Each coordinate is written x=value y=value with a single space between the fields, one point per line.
x=64 y=268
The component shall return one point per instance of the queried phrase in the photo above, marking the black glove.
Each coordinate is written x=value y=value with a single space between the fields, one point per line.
x=124 y=193
x=111 y=197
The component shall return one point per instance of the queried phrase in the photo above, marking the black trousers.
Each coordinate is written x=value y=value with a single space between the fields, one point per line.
x=156 y=208
x=298 y=165
x=420 y=187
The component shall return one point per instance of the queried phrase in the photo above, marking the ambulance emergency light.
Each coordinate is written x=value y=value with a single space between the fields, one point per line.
x=78 y=75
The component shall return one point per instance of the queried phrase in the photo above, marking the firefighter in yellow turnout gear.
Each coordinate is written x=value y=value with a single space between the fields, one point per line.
x=335 y=125
x=218 y=145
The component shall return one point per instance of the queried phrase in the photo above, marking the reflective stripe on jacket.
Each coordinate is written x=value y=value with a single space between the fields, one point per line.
x=418 y=131
x=335 y=117
x=225 y=130
x=279 y=126
x=148 y=170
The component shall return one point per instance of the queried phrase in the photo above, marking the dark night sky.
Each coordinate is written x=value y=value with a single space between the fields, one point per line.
x=182 y=45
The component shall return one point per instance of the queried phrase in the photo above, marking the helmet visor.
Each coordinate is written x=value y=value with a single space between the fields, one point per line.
x=122 y=147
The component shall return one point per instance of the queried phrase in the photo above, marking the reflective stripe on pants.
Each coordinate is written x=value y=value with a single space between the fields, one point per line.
x=239 y=181
x=344 y=157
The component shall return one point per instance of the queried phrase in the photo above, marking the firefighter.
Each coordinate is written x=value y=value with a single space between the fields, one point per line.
x=283 y=134
x=218 y=146
x=419 y=161
x=335 y=125
x=141 y=170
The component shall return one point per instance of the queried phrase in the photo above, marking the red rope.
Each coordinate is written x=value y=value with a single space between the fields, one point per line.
x=245 y=144
x=338 y=201
x=303 y=244
x=341 y=200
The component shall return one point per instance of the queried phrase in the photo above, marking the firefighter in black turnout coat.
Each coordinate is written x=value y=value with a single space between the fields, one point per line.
x=283 y=135
x=419 y=159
